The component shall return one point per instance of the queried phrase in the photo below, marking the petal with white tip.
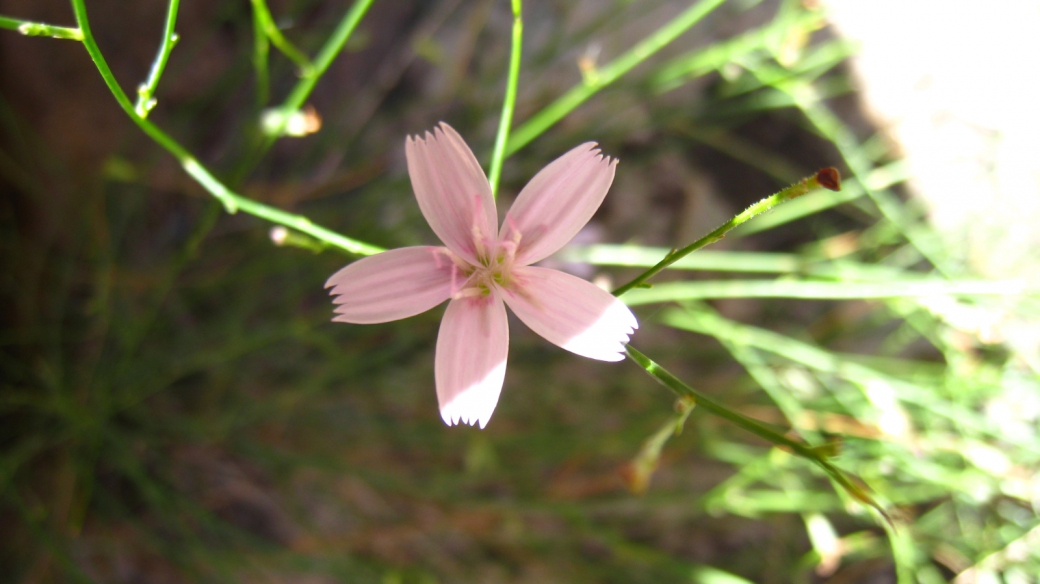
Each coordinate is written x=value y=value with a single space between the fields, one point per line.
x=470 y=365
x=571 y=313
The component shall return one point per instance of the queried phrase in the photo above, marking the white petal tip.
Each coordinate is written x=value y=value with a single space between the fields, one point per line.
x=475 y=405
x=605 y=340
x=452 y=418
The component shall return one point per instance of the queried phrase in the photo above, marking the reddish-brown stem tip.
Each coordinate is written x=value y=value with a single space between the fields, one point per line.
x=829 y=178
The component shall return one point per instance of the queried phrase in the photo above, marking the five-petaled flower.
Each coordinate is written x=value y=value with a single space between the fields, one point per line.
x=482 y=269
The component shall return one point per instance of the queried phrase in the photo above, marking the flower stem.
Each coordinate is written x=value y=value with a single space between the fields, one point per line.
x=232 y=202
x=509 y=102
x=29 y=28
x=607 y=74
x=827 y=178
x=145 y=93
x=816 y=455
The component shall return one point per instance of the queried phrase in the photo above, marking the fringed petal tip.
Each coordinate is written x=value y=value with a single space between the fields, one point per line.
x=558 y=201
x=452 y=191
x=475 y=405
x=439 y=131
x=606 y=338
x=571 y=313
x=470 y=365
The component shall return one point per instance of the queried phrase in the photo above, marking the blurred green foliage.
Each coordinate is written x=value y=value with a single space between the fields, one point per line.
x=176 y=405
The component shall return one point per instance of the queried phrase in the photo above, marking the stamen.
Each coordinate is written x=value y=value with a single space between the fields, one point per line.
x=472 y=292
x=459 y=262
x=478 y=237
x=506 y=262
x=514 y=231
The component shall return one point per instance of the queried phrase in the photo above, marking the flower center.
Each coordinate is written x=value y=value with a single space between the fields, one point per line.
x=494 y=271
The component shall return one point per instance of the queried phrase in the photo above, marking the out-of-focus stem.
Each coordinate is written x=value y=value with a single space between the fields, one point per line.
x=607 y=74
x=262 y=15
x=29 y=28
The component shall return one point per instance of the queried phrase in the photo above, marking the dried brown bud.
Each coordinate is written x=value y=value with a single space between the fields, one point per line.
x=829 y=178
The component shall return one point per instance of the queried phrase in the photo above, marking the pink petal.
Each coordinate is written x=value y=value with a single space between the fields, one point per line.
x=471 y=359
x=571 y=312
x=558 y=202
x=394 y=284
x=452 y=190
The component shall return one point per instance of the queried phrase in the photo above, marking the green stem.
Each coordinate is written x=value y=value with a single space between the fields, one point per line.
x=145 y=99
x=29 y=28
x=263 y=17
x=826 y=178
x=261 y=49
x=606 y=75
x=706 y=322
x=328 y=53
x=509 y=102
x=232 y=202
x=831 y=127
x=300 y=223
x=906 y=287
x=815 y=455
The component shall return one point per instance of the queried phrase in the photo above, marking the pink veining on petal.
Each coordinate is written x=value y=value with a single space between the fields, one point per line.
x=392 y=285
x=558 y=202
x=470 y=365
x=571 y=313
x=453 y=191
x=482 y=270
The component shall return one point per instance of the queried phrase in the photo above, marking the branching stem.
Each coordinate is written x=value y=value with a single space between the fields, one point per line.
x=232 y=201
x=146 y=92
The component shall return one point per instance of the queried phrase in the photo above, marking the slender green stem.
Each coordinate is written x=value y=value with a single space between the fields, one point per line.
x=328 y=53
x=701 y=61
x=816 y=290
x=815 y=455
x=812 y=203
x=232 y=202
x=638 y=472
x=262 y=14
x=145 y=93
x=300 y=223
x=509 y=102
x=29 y=28
x=607 y=74
x=261 y=50
x=807 y=99
x=706 y=322
x=826 y=178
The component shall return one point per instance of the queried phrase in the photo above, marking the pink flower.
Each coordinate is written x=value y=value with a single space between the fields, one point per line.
x=482 y=269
